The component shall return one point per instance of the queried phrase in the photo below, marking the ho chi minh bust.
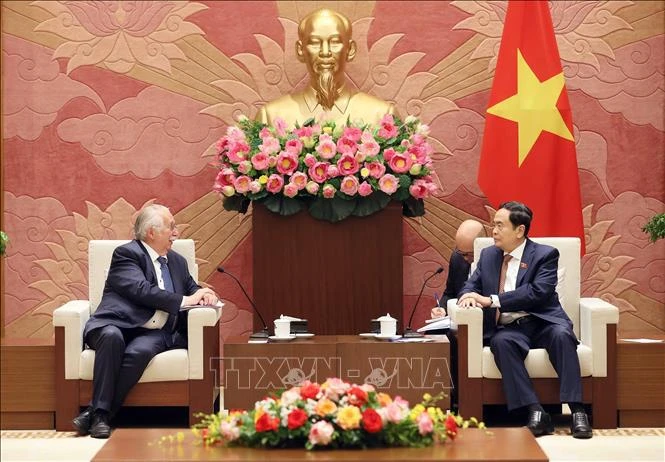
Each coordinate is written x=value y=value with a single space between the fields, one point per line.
x=325 y=46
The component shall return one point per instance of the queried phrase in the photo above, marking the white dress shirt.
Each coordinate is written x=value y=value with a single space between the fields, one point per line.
x=511 y=284
x=158 y=320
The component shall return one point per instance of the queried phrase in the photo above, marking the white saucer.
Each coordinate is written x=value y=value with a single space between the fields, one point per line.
x=368 y=334
x=282 y=339
x=386 y=337
x=304 y=334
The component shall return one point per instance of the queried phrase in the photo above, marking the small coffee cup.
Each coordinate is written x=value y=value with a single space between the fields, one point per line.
x=282 y=328
x=388 y=325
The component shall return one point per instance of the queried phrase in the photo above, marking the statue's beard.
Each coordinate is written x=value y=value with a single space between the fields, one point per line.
x=327 y=89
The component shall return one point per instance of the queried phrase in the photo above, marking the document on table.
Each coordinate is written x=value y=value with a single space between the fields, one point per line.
x=436 y=324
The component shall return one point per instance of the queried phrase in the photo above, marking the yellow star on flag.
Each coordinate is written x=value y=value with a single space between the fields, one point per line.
x=533 y=107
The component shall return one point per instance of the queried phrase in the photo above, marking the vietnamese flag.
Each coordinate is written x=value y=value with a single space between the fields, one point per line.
x=528 y=152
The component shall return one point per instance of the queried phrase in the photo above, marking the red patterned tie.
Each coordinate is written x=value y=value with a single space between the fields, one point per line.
x=502 y=279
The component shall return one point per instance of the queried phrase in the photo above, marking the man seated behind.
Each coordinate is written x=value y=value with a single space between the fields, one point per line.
x=516 y=280
x=325 y=46
x=138 y=316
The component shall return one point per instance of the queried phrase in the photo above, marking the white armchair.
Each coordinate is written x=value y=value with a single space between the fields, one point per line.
x=595 y=324
x=181 y=377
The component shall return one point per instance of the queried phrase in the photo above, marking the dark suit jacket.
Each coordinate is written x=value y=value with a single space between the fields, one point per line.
x=458 y=273
x=132 y=294
x=536 y=283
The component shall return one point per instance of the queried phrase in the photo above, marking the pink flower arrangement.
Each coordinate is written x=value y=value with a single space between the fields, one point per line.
x=334 y=414
x=333 y=171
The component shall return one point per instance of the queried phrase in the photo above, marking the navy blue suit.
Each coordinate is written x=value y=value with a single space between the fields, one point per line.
x=131 y=295
x=549 y=326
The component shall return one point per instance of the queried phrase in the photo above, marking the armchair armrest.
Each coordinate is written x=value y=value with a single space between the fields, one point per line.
x=473 y=319
x=197 y=319
x=595 y=315
x=72 y=316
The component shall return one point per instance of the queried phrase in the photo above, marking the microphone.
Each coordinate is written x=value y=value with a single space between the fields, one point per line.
x=263 y=334
x=408 y=332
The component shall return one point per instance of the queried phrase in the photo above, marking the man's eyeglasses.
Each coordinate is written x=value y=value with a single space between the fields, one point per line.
x=463 y=254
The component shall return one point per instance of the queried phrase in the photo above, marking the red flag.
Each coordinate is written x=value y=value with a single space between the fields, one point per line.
x=528 y=151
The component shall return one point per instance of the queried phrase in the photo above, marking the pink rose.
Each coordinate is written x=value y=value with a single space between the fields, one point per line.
x=280 y=126
x=326 y=147
x=225 y=177
x=299 y=179
x=376 y=169
x=321 y=433
x=352 y=133
x=294 y=146
x=419 y=189
x=235 y=134
x=255 y=186
x=369 y=149
x=346 y=145
x=237 y=152
x=425 y=424
x=400 y=163
x=319 y=172
x=270 y=145
x=347 y=164
x=312 y=187
x=245 y=166
x=349 y=185
x=264 y=133
x=388 y=154
x=365 y=189
x=333 y=171
x=229 y=430
x=275 y=183
x=388 y=128
x=242 y=184
x=388 y=183
x=367 y=137
x=287 y=163
x=290 y=190
x=329 y=191
x=272 y=161
x=303 y=132
x=260 y=161
x=309 y=160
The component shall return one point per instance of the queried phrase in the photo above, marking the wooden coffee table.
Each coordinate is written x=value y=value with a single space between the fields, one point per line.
x=503 y=444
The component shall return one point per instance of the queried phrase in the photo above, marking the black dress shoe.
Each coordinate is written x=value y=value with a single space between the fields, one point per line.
x=540 y=423
x=82 y=422
x=580 y=427
x=100 y=426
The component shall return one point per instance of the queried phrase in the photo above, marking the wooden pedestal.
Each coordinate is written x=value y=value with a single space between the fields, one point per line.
x=336 y=275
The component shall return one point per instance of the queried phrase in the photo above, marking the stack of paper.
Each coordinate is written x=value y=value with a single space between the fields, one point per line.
x=436 y=324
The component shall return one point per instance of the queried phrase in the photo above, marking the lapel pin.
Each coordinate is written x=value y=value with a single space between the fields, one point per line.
x=523 y=265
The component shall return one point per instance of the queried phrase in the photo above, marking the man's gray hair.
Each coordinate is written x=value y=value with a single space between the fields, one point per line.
x=149 y=217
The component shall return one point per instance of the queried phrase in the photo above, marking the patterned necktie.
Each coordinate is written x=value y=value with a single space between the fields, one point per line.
x=166 y=274
x=504 y=270
x=502 y=279
x=168 y=285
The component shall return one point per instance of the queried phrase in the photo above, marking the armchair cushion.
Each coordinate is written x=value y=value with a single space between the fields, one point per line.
x=538 y=363
x=168 y=366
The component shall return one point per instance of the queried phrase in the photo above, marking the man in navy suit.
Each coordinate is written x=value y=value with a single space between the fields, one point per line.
x=138 y=316
x=515 y=280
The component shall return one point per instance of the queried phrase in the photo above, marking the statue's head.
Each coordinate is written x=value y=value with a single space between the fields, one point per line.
x=325 y=46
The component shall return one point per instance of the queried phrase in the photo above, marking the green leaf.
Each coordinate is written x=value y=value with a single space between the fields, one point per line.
x=371 y=204
x=283 y=205
x=413 y=207
x=332 y=210
x=236 y=203
x=4 y=240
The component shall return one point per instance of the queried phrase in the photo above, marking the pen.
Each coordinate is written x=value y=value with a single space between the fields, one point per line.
x=436 y=299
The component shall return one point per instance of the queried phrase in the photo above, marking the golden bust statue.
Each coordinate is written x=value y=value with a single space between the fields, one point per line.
x=325 y=46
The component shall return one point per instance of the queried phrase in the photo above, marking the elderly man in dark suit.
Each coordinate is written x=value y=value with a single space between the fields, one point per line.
x=138 y=316
x=516 y=281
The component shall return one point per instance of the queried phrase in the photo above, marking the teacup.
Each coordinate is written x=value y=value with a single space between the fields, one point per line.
x=388 y=325
x=282 y=328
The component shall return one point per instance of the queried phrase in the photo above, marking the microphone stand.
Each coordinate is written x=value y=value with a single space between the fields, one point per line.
x=262 y=334
x=409 y=332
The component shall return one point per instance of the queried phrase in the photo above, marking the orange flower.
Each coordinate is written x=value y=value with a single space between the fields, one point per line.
x=325 y=407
